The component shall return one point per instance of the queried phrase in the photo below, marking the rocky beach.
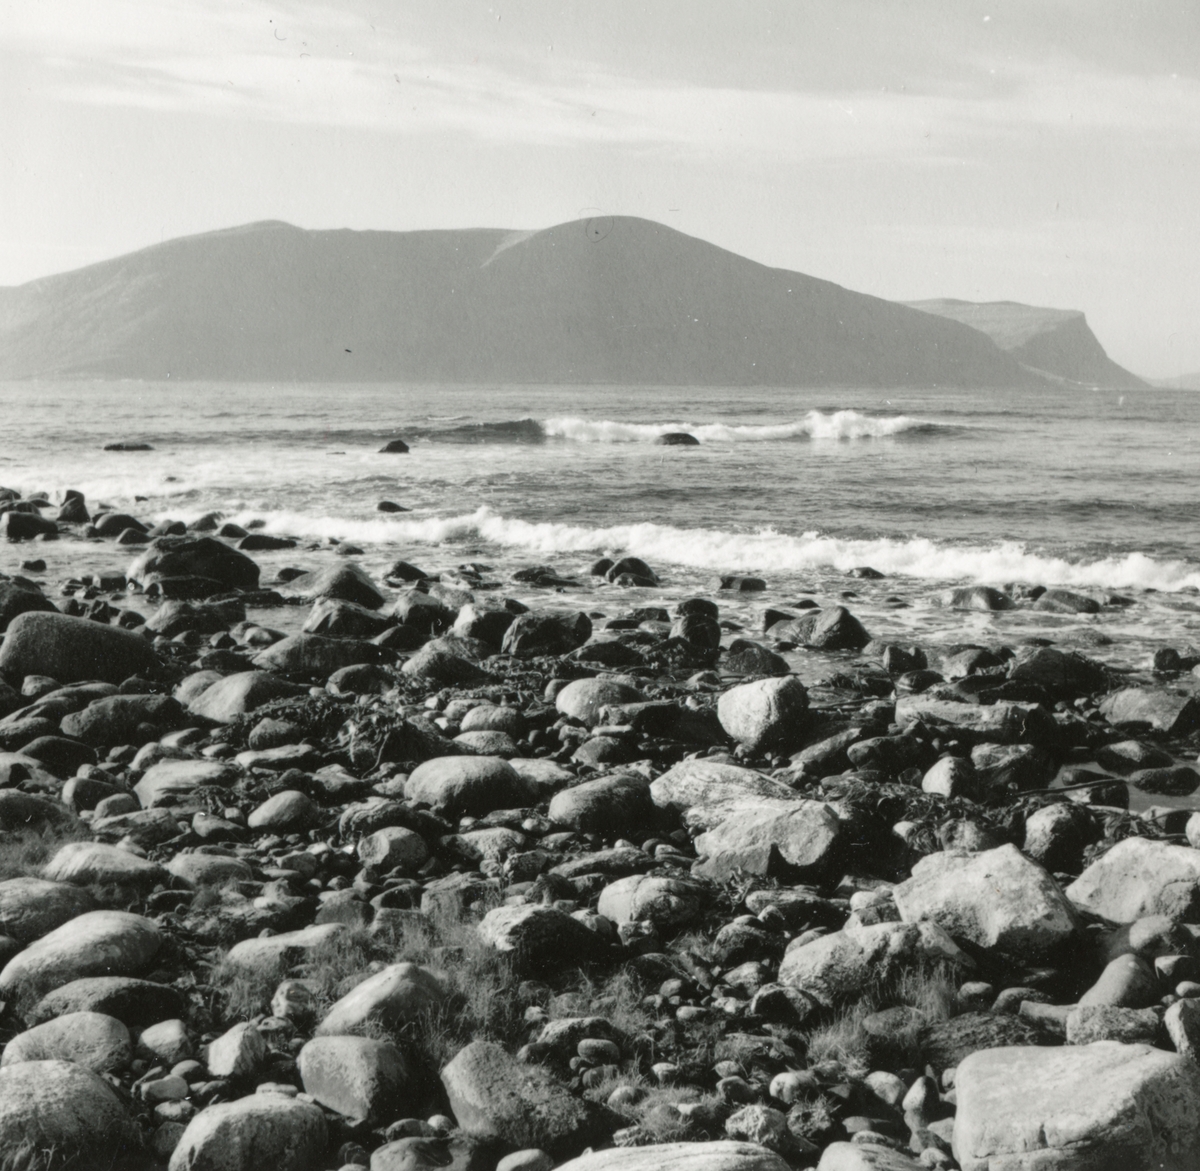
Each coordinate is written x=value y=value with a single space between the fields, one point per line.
x=316 y=862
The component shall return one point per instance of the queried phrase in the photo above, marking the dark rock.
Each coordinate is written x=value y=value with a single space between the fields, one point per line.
x=634 y=566
x=264 y=542
x=201 y=557
x=394 y=447
x=546 y=634
x=831 y=630
x=676 y=439
x=73 y=649
x=16 y=598
x=946 y=1043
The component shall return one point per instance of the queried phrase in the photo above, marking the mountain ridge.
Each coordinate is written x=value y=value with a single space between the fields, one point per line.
x=612 y=300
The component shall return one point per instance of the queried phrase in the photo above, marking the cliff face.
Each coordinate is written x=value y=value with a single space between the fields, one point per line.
x=1057 y=342
x=623 y=301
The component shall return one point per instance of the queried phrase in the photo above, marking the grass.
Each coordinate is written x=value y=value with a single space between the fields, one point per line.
x=24 y=852
x=841 y=1038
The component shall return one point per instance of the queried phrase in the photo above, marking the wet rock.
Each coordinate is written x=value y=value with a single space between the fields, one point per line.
x=393 y=997
x=1174 y=713
x=359 y=1077
x=337 y=619
x=546 y=634
x=1139 y=877
x=1099 y=1105
x=346 y=582
x=73 y=649
x=92 y=944
x=799 y=841
x=767 y=715
x=17 y=598
x=201 y=557
x=468 y=785
x=835 y=629
x=25 y=526
x=1177 y=781
x=61 y=1109
x=495 y=1097
x=1064 y=674
x=750 y=658
x=676 y=439
x=1066 y=602
x=251 y=1134
x=977 y=598
x=90 y=1039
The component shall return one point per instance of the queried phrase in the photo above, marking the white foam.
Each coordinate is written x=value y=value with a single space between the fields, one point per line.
x=765 y=551
x=846 y=424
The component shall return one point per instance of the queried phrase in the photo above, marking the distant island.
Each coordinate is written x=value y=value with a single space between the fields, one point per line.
x=618 y=300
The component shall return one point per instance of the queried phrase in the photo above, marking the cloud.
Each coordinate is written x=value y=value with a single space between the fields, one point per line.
x=311 y=64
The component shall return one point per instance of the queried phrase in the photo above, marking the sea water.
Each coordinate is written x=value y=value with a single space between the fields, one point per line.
x=1092 y=490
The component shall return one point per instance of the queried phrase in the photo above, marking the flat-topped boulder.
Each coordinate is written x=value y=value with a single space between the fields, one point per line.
x=359 y=1077
x=96 y=943
x=84 y=863
x=72 y=650
x=135 y=1003
x=1104 y=1105
x=1139 y=877
x=311 y=656
x=992 y=899
x=539 y=939
x=175 y=782
x=1174 y=712
x=665 y=902
x=998 y=723
x=201 y=557
x=264 y=954
x=711 y=784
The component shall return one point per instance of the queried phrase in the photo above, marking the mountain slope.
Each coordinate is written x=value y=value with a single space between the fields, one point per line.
x=623 y=301
x=1057 y=342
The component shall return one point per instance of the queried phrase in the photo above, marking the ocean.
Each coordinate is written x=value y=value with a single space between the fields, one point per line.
x=1093 y=490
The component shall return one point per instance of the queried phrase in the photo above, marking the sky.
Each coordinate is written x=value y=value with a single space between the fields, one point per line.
x=1043 y=151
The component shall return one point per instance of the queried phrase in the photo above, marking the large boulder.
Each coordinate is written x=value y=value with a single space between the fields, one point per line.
x=768 y=715
x=1065 y=674
x=335 y=619
x=346 y=582
x=830 y=630
x=253 y=1134
x=1100 y=1107
x=96 y=943
x=32 y=907
x=92 y=1039
x=615 y=806
x=665 y=902
x=1175 y=713
x=1139 y=877
x=713 y=785
x=496 y=1098
x=707 y=1156
x=993 y=899
x=584 y=699
x=119 y=719
x=800 y=841
x=135 y=1003
x=203 y=557
x=56 y=1113
x=842 y=965
x=359 y=1077
x=235 y=695
x=469 y=785
x=73 y=649
x=265 y=954
x=393 y=997
x=546 y=634
x=439 y=664
x=975 y=723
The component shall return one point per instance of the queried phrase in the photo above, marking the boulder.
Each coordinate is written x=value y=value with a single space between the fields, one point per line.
x=468 y=785
x=346 y=582
x=61 y=1110
x=1066 y=602
x=335 y=619
x=391 y=848
x=32 y=907
x=944 y=1044
x=440 y=665
x=287 y=812
x=1139 y=877
x=835 y=629
x=393 y=997
x=1177 y=781
x=176 y=782
x=584 y=699
x=310 y=656
x=974 y=723
x=20 y=811
x=235 y=695
x=203 y=557
x=1175 y=713
x=1101 y=1106
x=996 y=899
x=174 y=617
x=360 y=1078
x=253 y=1134
x=265 y=954
x=766 y=715
x=703 y=1156
x=239 y=1052
x=840 y=966
x=496 y=1098
x=118 y=719
x=135 y=1003
x=197 y=870
x=546 y=634
x=665 y=902
x=96 y=943
x=713 y=785
x=800 y=841
x=16 y=598
x=613 y=806
x=538 y=938
x=73 y=649
x=1065 y=674
x=84 y=863
x=97 y=1042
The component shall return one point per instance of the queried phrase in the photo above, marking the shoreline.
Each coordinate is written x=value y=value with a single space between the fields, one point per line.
x=557 y=783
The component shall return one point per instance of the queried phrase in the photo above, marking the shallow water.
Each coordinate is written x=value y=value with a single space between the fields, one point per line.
x=1094 y=490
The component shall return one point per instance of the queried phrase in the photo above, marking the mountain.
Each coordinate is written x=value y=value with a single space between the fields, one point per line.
x=622 y=301
x=1055 y=342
